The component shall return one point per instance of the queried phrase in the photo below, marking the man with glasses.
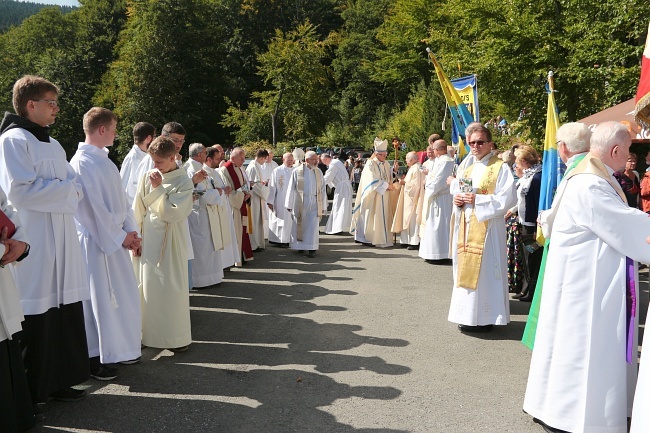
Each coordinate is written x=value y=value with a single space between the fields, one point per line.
x=483 y=192
x=52 y=280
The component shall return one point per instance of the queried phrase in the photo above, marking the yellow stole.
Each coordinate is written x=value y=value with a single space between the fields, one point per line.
x=300 y=186
x=472 y=241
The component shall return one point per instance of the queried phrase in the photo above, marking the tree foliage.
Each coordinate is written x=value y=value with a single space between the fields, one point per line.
x=330 y=72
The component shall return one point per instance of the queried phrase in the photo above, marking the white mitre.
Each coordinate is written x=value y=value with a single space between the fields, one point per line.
x=380 y=146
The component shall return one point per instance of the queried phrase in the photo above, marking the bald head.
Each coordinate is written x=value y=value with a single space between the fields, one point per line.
x=440 y=145
x=326 y=159
x=287 y=159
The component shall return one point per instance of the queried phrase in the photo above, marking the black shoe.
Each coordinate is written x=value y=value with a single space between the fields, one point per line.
x=258 y=250
x=132 y=361
x=180 y=349
x=413 y=247
x=467 y=328
x=526 y=298
x=104 y=372
x=548 y=428
x=312 y=253
x=69 y=394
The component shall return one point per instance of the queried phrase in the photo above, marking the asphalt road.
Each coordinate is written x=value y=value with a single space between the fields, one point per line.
x=353 y=340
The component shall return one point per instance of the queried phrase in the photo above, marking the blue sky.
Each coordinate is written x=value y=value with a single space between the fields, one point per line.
x=56 y=2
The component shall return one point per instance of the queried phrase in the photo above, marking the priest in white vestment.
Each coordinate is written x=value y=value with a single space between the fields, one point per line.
x=267 y=171
x=259 y=194
x=406 y=221
x=280 y=219
x=233 y=176
x=209 y=229
x=212 y=162
x=306 y=200
x=107 y=231
x=437 y=207
x=43 y=187
x=371 y=215
x=427 y=165
x=161 y=207
x=337 y=177
x=585 y=346
x=143 y=134
x=483 y=193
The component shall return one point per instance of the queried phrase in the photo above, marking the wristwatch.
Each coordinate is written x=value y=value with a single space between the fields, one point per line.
x=25 y=253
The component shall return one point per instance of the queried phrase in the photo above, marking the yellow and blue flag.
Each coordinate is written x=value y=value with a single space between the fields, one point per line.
x=468 y=91
x=459 y=112
x=551 y=163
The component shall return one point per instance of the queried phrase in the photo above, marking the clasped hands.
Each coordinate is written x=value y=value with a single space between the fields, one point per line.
x=133 y=242
x=13 y=248
x=464 y=198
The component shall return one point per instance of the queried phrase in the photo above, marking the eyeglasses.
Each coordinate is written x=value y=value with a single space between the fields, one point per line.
x=477 y=143
x=178 y=140
x=52 y=102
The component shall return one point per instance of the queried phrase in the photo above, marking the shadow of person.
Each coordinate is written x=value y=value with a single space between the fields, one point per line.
x=191 y=397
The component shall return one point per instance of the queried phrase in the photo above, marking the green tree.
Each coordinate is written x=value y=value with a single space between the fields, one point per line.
x=299 y=94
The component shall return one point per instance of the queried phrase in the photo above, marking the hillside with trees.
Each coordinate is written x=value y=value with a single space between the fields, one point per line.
x=12 y=13
x=324 y=72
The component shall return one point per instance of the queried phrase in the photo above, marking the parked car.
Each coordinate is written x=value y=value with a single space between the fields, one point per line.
x=402 y=169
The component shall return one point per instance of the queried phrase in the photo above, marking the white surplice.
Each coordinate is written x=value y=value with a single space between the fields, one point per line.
x=104 y=218
x=340 y=217
x=259 y=194
x=436 y=211
x=309 y=214
x=230 y=251
x=11 y=313
x=161 y=213
x=280 y=220
x=43 y=187
x=129 y=172
x=488 y=304
x=579 y=379
x=207 y=268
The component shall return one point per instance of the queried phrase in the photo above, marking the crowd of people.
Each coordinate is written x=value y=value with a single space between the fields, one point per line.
x=112 y=258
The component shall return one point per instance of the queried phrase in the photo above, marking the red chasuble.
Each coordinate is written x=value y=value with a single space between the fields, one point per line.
x=247 y=250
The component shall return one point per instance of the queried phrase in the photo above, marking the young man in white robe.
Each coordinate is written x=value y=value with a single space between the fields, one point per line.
x=107 y=231
x=306 y=200
x=280 y=220
x=43 y=188
x=338 y=178
x=143 y=135
x=585 y=347
x=437 y=207
x=406 y=222
x=213 y=159
x=371 y=214
x=259 y=185
x=16 y=411
x=208 y=222
x=234 y=177
x=483 y=193
x=176 y=133
x=161 y=207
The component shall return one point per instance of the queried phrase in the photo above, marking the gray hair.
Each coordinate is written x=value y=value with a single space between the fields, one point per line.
x=325 y=156
x=411 y=156
x=607 y=135
x=575 y=136
x=236 y=151
x=195 y=149
x=475 y=127
x=309 y=154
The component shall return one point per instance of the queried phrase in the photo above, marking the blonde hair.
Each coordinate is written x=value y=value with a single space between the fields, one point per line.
x=527 y=153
